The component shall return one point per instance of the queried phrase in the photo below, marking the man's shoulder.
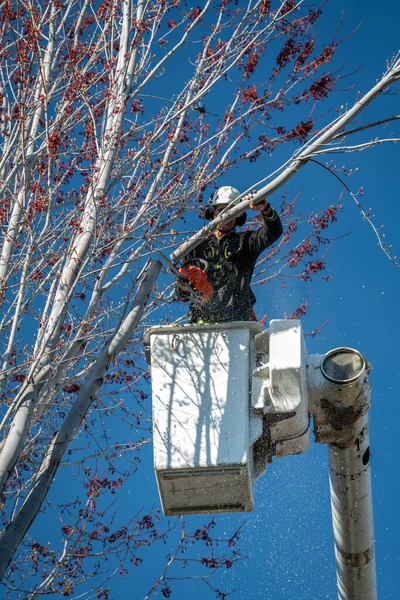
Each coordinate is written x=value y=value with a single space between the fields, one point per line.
x=206 y=243
x=235 y=235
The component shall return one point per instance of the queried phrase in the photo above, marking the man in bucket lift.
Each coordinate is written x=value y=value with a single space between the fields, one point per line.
x=221 y=267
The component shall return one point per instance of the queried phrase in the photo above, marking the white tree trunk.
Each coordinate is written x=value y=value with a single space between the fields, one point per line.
x=15 y=531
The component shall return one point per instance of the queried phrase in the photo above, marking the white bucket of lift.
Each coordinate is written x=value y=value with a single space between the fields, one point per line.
x=279 y=386
x=203 y=422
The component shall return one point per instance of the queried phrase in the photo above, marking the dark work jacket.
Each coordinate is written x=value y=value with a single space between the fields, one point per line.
x=229 y=263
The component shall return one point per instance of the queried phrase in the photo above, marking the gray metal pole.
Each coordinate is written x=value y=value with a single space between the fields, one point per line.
x=340 y=399
x=351 y=499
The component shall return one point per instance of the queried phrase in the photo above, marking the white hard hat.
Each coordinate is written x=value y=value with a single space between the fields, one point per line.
x=225 y=195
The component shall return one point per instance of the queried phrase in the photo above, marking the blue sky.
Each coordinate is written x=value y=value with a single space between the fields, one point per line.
x=288 y=538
